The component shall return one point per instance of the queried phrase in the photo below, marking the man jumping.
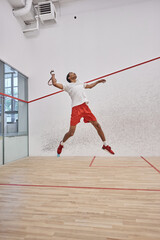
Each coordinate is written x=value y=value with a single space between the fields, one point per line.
x=80 y=109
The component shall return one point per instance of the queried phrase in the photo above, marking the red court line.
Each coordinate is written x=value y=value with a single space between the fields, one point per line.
x=123 y=166
x=151 y=164
x=6 y=95
x=117 y=166
x=92 y=161
x=107 y=75
x=124 y=69
x=45 y=96
x=78 y=187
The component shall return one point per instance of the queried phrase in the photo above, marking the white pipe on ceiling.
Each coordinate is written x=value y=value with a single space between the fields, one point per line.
x=33 y=28
x=23 y=11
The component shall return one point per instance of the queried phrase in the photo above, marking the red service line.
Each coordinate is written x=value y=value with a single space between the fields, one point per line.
x=150 y=164
x=123 y=166
x=116 y=166
x=90 y=165
x=124 y=69
x=78 y=187
x=6 y=95
x=45 y=96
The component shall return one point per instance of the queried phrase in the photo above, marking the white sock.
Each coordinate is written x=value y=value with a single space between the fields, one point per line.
x=104 y=143
x=62 y=143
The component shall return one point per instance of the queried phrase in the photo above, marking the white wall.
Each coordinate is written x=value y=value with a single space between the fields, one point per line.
x=14 y=47
x=106 y=36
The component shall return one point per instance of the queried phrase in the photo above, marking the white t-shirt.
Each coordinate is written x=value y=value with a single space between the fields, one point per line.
x=76 y=92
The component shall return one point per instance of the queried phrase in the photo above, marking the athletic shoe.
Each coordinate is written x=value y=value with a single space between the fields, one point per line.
x=107 y=148
x=59 y=149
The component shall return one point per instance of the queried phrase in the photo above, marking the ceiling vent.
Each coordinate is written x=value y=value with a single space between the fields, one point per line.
x=47 y=11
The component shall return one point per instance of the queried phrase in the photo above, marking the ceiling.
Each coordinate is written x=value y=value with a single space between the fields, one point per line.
x=37 y=1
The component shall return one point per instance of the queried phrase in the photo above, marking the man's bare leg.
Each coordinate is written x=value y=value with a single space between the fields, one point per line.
x=99 y=130
x=69 y=134
x=102 y=136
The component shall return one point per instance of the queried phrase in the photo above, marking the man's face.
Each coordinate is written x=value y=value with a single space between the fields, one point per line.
x=72 y=77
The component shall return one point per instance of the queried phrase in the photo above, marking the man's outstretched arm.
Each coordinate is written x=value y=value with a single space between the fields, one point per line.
x=91 y=85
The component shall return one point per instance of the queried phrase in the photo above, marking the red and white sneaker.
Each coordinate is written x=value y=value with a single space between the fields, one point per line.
x=107 y=148
x=59 y=149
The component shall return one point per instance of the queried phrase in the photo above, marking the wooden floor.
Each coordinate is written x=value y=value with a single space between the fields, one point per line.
x=73 y=198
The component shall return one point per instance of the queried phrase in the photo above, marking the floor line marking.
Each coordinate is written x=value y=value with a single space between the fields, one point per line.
x=123 y=166
x=150 y=164
x=90 y=165
x=78 y=187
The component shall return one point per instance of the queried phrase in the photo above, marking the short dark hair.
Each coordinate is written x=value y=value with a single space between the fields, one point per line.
x=67 y=78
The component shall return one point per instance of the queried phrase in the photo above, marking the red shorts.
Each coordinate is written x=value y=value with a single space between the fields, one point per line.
x=81 y=111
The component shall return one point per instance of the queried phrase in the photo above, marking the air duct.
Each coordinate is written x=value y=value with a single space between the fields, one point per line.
x=17 y=4
x=47 y=11
x=32 y=28
x=23 y=11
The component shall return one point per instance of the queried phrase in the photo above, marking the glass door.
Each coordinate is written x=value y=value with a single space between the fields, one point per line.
x=13 y=114
x=1 y=112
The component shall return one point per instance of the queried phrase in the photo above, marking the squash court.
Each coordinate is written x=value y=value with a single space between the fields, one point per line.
x=79 y=120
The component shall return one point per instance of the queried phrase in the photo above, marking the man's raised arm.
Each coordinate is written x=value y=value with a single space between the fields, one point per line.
x=95 y=83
